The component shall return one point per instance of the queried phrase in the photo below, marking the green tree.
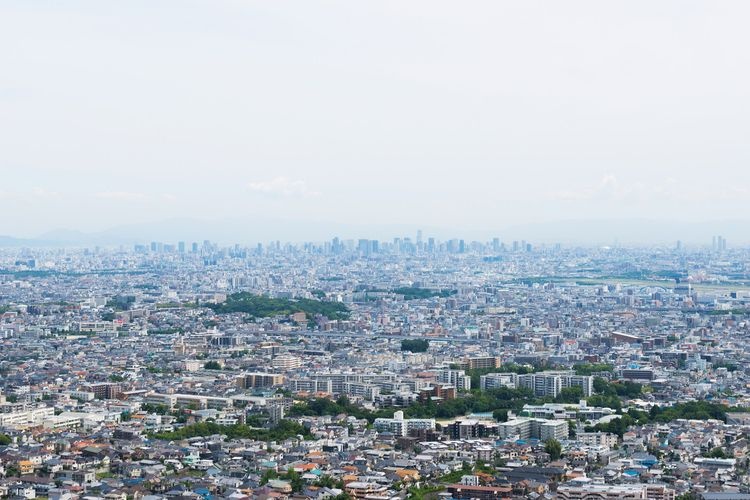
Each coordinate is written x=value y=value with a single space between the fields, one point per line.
x=569 y=395
x=571 y=429
x=605 y=401
x=553 y=448
x=617 y=426
x=155 y=408
x=325 y=482
x=415 y=345
x=294 y=479
x=600 y=385
x=268 y=475
x=501 y=415
x=687 y=496
x=285 y=429
x=717 y=452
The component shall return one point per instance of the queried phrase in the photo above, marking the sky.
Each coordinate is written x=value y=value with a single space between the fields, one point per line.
x=463 y=115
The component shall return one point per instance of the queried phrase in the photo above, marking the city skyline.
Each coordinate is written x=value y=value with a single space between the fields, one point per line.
x=571 y=233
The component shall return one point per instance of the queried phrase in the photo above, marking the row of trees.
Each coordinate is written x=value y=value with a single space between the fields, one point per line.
x=412 y=293
x=284 y=430
x=498 y=400
x=692 y=410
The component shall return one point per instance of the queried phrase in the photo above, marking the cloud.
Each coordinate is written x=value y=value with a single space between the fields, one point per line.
x=34 y=195
x=41 y=192
x=284 y=187
x=610 y=188
x=607 y=187
x=121 y=195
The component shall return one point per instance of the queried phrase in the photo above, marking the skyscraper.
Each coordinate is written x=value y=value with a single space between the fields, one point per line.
x=718 y=243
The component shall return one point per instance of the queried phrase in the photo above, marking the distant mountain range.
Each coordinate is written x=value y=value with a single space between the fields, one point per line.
x=635 y=231
x=250 y=231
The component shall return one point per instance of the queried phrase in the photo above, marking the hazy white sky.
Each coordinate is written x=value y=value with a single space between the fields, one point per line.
x=454 y=114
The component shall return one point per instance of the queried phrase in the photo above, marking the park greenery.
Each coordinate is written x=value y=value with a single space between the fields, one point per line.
x=609 y=394
x=341 y=406
x=475 y=402
x=415 y=345
x=284 y=430
x=259 y=306
x=691 y=410
x=413 y=293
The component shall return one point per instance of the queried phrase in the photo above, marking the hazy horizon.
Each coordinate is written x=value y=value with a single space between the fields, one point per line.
x=469 y=118
x=580 y=233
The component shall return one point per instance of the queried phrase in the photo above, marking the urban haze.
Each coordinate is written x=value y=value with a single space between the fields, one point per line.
x=374 y=250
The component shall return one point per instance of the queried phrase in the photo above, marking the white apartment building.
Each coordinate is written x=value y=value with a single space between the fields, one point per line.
x=497 y=380
x=310 y=385
x=534 y=428
x=188 y=400
x=551 y=383
x=400 y=426
x=456 y=378
x=597 y=439
x=26 y=418
x=286 y=362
